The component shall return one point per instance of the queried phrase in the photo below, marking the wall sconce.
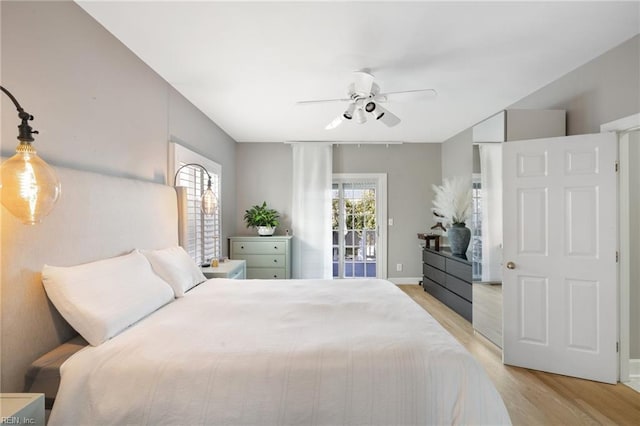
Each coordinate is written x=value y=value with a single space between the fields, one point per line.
x=208 y=200
x=29 y=187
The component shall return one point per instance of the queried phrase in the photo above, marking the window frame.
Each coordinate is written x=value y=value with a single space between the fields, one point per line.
x=180 y=155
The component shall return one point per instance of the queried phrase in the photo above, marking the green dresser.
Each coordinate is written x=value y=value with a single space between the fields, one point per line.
x=266 y=257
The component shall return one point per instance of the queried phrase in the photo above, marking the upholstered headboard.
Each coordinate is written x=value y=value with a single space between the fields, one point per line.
x=96 y=217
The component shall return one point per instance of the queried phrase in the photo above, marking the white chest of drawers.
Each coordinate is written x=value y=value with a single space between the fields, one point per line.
x=267 y=257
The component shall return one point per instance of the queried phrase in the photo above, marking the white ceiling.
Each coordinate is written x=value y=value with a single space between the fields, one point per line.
x=246 y=64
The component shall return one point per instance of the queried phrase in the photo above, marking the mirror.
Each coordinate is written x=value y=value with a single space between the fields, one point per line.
x=486 y=240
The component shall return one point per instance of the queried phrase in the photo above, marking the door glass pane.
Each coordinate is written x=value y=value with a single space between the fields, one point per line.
x=354 y=229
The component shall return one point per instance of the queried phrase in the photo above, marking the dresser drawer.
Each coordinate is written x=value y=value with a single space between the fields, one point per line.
x=460 y=305
x=459 y=287
x=266 y=273
x=434 y=289
x=458 y=269
x=264 y=260
x=266 y=257
x=239 y=248
x=433 y=259
x=448 y=278
x=434 y=274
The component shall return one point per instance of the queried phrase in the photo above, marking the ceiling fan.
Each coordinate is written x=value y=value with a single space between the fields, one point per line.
x=364 y=98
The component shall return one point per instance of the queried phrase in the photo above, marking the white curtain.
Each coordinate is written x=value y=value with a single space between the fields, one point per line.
x=311 y=210
x=491 y=182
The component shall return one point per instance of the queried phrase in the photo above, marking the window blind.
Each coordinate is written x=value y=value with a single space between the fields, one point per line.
x=203 y=243
x=200 y=235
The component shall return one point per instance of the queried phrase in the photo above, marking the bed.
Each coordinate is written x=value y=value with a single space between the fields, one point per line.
x=232 y=352
x=294 y=352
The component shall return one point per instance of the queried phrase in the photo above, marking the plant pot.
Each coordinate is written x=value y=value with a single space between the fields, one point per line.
x=459 y=237
x=266 y=231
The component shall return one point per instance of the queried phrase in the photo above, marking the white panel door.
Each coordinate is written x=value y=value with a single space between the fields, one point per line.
x=560 y=240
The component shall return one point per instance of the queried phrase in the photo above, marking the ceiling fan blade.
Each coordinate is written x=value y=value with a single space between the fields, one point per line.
x=335 y=123
x=363 y=81
x=388 y=118
x=322 y=101
x=406 y=95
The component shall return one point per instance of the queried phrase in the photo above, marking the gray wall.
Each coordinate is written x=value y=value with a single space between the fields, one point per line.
x=602 y=90
x=98 y=108
x=411 y=170
x=457 y=155
x=264 y=174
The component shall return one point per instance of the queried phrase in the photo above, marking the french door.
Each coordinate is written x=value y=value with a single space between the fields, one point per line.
x=359 y=225
x=560 y=254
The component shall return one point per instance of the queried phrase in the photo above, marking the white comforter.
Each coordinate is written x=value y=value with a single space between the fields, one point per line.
x=297 y=352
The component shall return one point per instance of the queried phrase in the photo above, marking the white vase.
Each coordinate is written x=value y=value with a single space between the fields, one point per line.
x=266 y=231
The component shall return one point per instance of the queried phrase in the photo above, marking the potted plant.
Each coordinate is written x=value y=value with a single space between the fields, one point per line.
x=452 y=203
x=262 y=218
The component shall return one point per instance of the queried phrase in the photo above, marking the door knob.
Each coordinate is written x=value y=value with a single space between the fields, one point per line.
x=511 y=265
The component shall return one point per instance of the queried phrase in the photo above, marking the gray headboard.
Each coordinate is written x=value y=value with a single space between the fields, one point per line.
x=96 y=217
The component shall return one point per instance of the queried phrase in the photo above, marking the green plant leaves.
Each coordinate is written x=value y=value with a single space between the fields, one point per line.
x=261 y=216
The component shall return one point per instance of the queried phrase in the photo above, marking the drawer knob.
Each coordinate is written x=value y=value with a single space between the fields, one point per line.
x=242 y=247
x=275 y=260
x=275 y=276
x=511 y=265
x=275 y=247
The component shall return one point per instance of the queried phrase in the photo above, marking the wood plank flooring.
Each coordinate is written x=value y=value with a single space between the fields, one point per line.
x=533 y=397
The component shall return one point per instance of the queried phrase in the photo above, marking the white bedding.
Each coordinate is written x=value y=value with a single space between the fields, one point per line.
x=296 y=352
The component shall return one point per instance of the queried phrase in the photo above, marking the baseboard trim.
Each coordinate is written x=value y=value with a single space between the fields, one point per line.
x=405 y=280
x=634 y=368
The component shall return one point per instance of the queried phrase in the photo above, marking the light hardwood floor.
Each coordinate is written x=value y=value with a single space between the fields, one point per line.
x=533 y=397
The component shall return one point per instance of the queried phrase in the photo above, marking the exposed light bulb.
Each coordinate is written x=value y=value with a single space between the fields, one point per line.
x=30 y=187
x=208 y=202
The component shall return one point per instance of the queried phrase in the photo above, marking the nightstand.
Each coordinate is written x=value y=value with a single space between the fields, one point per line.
x=234 y=269
x=22 y=408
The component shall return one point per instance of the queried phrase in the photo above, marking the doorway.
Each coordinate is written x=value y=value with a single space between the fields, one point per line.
x=632 y=141
x=358 y=219
x=628 y=130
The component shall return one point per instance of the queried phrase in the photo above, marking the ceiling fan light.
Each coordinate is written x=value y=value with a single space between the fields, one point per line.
x=348 y=114
x=370 y=106
x=376 y=112
x=360 y=116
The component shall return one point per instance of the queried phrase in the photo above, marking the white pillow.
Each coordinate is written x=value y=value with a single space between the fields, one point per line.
x=175 y=266
x=100 y=299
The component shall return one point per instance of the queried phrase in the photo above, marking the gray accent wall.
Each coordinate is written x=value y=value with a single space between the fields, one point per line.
x=264 y=174
x=98 y=108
